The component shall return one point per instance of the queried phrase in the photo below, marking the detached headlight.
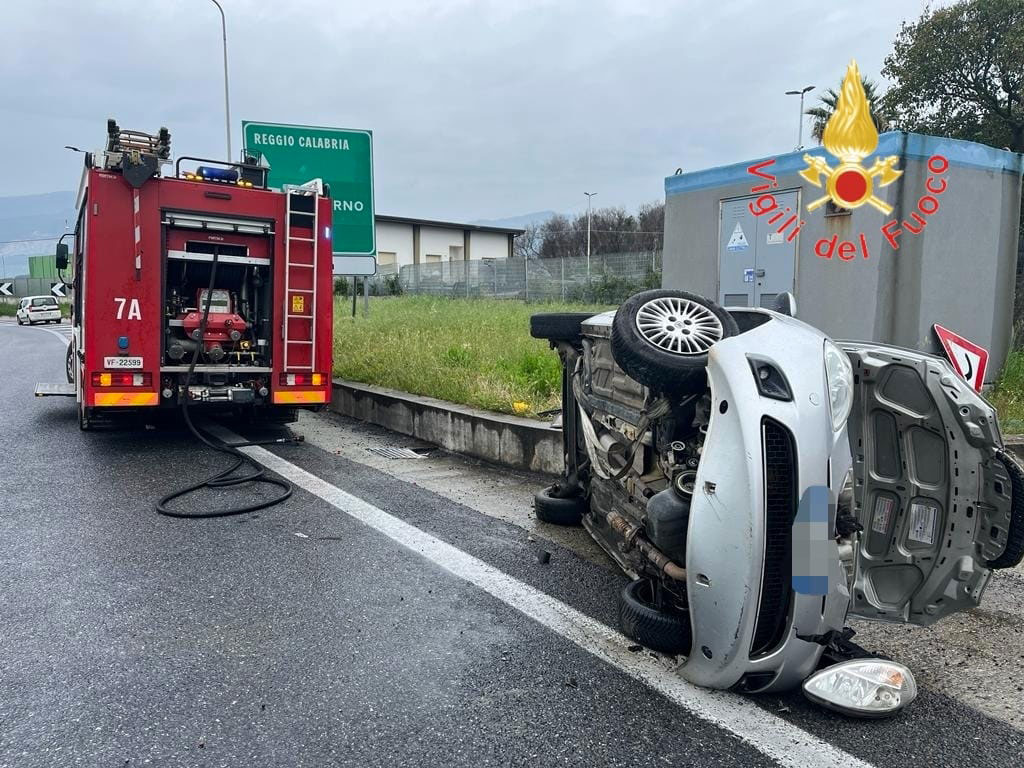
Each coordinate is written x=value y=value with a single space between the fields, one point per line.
x=862 y=687
x=839 y=377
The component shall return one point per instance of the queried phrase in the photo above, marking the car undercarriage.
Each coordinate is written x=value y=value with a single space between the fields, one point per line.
x=759 y=482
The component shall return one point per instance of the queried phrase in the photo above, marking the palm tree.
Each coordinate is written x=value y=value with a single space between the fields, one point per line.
x=824 y=111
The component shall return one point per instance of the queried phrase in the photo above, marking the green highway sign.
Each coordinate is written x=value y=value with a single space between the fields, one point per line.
x=342 y=158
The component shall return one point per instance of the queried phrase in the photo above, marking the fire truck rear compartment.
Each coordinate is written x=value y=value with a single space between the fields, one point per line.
x=235 y=350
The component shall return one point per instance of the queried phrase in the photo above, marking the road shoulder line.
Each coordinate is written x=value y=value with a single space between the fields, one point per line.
x=783 y=742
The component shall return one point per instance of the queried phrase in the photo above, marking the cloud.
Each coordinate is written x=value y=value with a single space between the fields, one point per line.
x=479 y=109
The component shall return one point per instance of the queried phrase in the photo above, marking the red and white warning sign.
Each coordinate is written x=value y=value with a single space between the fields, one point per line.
x=967 y=358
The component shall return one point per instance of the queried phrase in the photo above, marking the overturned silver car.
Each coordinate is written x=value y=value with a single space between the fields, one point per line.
x=761 y=482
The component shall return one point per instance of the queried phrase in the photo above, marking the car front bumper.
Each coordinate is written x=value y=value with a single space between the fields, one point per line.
x=761 y=456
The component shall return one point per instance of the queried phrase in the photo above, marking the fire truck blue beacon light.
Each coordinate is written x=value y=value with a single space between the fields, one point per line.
x=122 y=342
x=229 y=175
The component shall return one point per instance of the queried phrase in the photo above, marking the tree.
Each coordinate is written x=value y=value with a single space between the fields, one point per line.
x=830 y=98
x=959 y=72
x=528 y=244
x=612 y=230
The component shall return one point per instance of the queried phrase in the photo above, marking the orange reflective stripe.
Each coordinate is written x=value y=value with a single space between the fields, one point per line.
x=313 y=396
x=126 y=398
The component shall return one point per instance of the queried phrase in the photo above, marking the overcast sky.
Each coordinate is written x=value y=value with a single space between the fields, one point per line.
x=478 y=109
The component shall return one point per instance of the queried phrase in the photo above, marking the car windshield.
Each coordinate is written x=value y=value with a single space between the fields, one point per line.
x=44 y=301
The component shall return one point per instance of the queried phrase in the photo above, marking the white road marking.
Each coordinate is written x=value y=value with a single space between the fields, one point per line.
x=65 y=338
x=783 y=742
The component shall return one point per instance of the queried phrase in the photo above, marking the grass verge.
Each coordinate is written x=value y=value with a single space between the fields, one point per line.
x=477 y=352
x=1008 y=394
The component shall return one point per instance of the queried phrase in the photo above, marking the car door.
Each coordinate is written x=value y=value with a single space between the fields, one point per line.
x=930 y=489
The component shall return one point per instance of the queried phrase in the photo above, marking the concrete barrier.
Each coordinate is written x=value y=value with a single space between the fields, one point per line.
x=508 y=440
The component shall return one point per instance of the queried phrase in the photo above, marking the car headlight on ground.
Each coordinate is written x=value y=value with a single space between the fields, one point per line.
x=839 y=377
x=862 y=687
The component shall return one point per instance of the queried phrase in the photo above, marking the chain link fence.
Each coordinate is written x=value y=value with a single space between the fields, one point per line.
x=612 y=277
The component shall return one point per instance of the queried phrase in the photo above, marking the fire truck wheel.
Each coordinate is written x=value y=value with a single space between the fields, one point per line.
x=69 y=365
x=84 y=422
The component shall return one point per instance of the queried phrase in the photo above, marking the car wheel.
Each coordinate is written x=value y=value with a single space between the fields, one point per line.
x=18 y=318
x=557 y=510
x=558 y=326
x=641 y=620
x=1014 y=551
x=661 y=338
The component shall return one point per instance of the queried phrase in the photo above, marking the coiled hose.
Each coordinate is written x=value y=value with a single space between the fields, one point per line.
x=225 y=478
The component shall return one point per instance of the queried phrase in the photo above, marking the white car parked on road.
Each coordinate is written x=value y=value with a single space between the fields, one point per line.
x=38 y=309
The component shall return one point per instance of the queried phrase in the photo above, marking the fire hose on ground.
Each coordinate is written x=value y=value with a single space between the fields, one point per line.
x=225 y=478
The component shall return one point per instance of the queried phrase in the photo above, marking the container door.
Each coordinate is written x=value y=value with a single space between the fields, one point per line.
x=774 y=257
x=736 y=267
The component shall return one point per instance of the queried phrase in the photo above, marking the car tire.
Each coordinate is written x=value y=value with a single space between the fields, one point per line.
x=638 y=353
x=560 y=511
x=641 y=620
x=1014 y=551
x=69 y=364
x=558 y=326
x=20 y=321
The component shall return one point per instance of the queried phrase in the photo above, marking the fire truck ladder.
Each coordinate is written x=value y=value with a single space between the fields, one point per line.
x=298 y=331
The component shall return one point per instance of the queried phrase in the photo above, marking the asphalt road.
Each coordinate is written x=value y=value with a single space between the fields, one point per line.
x=387 y=614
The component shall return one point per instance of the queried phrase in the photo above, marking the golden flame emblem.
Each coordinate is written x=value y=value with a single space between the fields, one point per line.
x=850 y=135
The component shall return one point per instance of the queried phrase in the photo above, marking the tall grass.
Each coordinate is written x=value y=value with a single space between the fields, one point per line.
x=1008 y=394
x=477 y=352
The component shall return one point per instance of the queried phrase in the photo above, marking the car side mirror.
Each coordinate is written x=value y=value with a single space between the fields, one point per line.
x=785 y=304
x=61 y=256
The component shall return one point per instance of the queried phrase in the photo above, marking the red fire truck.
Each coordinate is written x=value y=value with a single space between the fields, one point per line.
x=203 y=286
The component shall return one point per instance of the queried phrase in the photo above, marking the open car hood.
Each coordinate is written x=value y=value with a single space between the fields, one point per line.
x=930 y=492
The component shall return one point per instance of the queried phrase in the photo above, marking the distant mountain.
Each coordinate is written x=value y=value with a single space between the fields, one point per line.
x=26 y=224
x=517 y=222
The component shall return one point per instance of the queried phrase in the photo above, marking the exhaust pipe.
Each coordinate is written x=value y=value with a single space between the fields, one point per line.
x=634 y=537
x=614 y=451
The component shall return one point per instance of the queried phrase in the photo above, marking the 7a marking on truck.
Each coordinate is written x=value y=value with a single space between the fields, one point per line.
x=134 y=310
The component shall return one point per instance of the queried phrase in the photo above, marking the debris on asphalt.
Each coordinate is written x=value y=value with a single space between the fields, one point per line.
x=635 y=648
x=543 y=557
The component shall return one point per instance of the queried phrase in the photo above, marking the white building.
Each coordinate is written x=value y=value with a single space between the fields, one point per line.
x=402 y=241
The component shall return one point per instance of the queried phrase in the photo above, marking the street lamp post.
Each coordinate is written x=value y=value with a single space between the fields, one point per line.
x=800 y=129
x=590 y=196
x=227 y=102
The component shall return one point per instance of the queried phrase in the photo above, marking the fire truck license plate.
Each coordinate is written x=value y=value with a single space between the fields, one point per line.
x=122 y=362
